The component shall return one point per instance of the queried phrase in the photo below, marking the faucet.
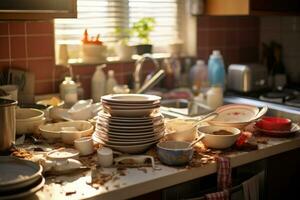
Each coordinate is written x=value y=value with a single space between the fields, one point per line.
x=138 y=68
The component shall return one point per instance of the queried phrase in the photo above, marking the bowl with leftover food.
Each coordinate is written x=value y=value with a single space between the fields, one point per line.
x=218 y=137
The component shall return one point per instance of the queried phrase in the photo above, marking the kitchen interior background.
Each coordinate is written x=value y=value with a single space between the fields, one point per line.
x=29 y=45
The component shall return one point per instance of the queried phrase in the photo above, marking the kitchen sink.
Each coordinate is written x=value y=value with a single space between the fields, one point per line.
x=172 y=108
x=183 y=107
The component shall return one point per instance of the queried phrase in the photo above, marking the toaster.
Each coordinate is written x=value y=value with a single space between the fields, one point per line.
x=247 y=77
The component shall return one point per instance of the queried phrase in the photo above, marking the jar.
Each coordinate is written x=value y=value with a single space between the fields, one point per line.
x=214 y=97
x=68 y=91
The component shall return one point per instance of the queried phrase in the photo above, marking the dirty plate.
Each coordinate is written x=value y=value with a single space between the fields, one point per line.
x=17 y=173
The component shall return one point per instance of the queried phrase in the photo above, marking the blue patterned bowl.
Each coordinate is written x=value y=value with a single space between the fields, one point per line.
x=174 y=152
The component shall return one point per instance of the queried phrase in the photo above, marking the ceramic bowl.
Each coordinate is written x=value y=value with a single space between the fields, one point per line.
x=174 y=152
x=28 y=114
x=274 y=124
x=211 y=140
x=54 y=131
x=180 y=130
x=28 y=120
x=26 y=127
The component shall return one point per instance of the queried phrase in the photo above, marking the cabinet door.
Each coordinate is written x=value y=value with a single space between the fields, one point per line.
x=37 y=9
x=287 y=6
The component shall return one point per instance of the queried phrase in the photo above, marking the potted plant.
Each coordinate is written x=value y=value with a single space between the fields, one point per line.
x=142 y=30
x=123 y=50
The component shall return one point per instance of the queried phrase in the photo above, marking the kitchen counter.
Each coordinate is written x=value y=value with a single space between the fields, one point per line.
x=137 y=181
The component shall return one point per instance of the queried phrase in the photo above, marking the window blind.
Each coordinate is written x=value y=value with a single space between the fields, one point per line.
x=104 y=16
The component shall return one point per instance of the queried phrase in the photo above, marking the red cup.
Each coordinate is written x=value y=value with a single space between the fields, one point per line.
x=275 y=124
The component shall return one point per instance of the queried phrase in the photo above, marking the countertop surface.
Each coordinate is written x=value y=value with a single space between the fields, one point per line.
x=131 y=182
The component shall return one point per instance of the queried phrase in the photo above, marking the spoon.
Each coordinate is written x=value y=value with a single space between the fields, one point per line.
x=196 y=141
x=206 y=118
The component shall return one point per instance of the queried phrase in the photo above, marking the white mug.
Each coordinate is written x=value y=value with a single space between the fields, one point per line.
x=105 y=156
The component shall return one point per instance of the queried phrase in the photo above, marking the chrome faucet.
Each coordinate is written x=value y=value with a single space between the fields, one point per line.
x=138 y=68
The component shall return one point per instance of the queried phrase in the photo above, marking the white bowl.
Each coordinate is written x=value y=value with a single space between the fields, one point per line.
x=53 y=131
x=218 y=141
x=28 y=114
x=180 y=130
x=25 y=127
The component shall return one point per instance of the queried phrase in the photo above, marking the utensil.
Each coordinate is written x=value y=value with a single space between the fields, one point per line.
x=196 y=141
x=7 y=123
x=205 y=118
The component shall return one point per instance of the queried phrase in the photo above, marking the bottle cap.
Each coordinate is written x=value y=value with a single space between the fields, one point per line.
x=110 y=73
x=200 y=62
x=216 y=53
x=99 y=67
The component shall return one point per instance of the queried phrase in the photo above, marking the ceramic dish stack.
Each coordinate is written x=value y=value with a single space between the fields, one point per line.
x=130 y=123
x=19 y=178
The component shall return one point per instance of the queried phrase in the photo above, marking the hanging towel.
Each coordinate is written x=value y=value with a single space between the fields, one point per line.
x=253 y=187
x=224 y=173
x=223 y=195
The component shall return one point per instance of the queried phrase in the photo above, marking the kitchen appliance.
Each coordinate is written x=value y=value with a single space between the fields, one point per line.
x=247 y=77
x=7 y=123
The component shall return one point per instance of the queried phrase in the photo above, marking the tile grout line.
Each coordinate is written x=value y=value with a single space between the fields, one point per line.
x=9 y=45
x=26 y=46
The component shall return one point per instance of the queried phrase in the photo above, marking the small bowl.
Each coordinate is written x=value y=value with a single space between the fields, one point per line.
x=181 y=130
x=28 y=114
x=174 y=152
x=84 y=146
x=27 y=127
x=274 y=124
x=218 y=141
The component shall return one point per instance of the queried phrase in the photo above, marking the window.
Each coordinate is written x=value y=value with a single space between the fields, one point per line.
x=104 y=16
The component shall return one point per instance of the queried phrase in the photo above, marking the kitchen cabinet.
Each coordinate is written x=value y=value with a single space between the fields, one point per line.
x=37 y=9
x=252 y=7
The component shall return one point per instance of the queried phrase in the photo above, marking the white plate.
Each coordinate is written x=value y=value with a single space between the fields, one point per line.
x=131 y=98
x=110 y=103
x=109 y=108
x=131 y=113
x=152 y=117
x=123 y=142
x=63 y=154
x=17 y=173
x=132 y=149
x=235 y=113
x=122 y=123
x=123 y=126
x=129 y=137
x=20 y=194
x=129 y=133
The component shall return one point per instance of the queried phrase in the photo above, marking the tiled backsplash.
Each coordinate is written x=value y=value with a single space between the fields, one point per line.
x=236 y=37
x=286 y=31
x=29 y=45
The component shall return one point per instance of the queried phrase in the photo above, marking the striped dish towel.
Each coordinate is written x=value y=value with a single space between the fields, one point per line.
x=223 y=195
x=224 y=180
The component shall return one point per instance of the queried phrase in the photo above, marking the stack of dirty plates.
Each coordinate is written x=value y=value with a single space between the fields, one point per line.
x=129 y=123
x=19 y=178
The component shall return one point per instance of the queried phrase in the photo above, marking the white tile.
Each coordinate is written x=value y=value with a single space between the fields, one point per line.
x=270 y=23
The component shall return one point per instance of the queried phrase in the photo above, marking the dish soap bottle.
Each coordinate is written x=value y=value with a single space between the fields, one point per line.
x=198 y=75
x=216 y=69
x=98 y=83
x=111 y=82
x=68 y=91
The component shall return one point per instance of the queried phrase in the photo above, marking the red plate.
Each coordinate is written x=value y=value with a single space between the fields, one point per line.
x=294 y=128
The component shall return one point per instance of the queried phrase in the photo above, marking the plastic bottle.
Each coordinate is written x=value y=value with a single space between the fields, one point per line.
x=214 y=97
x=198 y=76
x=111 y=82
x=98 y=83
x=68 y=91
x=216 y=69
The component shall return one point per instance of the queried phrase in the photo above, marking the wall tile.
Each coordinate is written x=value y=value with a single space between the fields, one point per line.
x=3 y=28
x=17 y=28
x=40 y=46
x=4 y=48
x=43 y=68
x=39 y=27
x=18 y=48
x=19 y=64
x=44 y=87
x=4 y=65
